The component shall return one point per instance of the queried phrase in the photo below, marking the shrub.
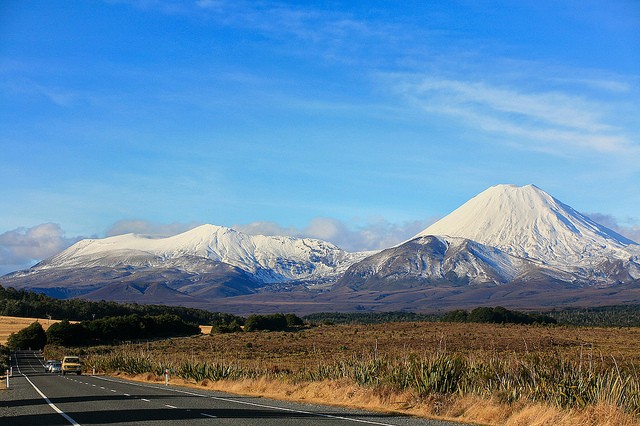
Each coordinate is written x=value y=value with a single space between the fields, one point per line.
x=275 y=322
x=32 y=336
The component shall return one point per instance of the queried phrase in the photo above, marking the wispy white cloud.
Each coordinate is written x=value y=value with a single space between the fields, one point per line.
x=373 y=235
x=21 y=247
x=550 y=121
x=332 y=33
x=630 y=230
x=606 y=84
x=302 y=22
x=59 y=96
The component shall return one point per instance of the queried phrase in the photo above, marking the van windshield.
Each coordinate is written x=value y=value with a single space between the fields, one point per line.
x=72 y=360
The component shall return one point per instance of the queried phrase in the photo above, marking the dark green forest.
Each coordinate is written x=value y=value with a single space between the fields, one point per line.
x=497 y=315
x=606 y=316
x=119 y=329
x=368 y=317
x=602 y=316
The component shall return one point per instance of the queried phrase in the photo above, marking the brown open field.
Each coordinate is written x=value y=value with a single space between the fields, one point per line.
x=294 y=350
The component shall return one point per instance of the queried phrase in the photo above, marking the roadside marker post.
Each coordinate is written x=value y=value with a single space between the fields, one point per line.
x=7 y=379
x=166 y=377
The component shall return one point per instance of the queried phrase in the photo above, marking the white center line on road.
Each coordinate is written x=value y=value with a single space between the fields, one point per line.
x=126 y=394
x=145 y=400
x=208 y=415
x=253 y=404
x=113 y=390
x=52 y=405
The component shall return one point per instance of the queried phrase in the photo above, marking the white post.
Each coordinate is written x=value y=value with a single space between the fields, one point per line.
x=93 y=371
x=7 y=379
x=166 y=377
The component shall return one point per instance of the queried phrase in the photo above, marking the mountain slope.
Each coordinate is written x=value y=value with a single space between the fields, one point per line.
x=431 y=260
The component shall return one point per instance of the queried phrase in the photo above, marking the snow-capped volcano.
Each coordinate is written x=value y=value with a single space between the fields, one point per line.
x=529 y=223
x=268 y=258
x=506 y=234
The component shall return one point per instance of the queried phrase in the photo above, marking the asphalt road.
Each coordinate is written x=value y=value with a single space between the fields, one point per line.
x=38 y=398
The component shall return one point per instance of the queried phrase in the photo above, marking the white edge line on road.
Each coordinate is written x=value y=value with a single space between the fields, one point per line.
x=52 y=405
x=253 y=404
x=208 y=415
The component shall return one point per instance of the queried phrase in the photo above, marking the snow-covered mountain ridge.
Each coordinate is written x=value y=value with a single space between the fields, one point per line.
x=268 y=258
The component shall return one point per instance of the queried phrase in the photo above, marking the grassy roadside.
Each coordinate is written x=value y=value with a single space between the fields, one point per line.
x=465 y=409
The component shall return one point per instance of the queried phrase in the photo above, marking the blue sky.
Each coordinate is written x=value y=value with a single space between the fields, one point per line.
x=357 y=122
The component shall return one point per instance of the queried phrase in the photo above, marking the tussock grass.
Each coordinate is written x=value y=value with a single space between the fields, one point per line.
x=550 y=380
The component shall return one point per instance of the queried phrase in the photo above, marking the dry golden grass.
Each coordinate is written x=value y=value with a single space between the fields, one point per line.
x=462 y=409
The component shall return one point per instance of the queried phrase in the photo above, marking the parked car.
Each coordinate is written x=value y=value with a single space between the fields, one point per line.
x=56 y=367
x=47 y=365
x=71 y=364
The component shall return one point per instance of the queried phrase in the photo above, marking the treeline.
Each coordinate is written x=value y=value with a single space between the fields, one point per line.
x=497 y=315
x=136 y=327
x=22 y=303
x=483 y=314
x=607 y=316
x=102 y=331
x=368 y=317
x=118 y=329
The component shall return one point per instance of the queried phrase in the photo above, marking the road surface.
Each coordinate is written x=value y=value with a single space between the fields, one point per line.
x=38 y=398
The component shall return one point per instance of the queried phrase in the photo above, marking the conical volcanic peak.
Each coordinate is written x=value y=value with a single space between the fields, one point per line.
x=527 y=222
